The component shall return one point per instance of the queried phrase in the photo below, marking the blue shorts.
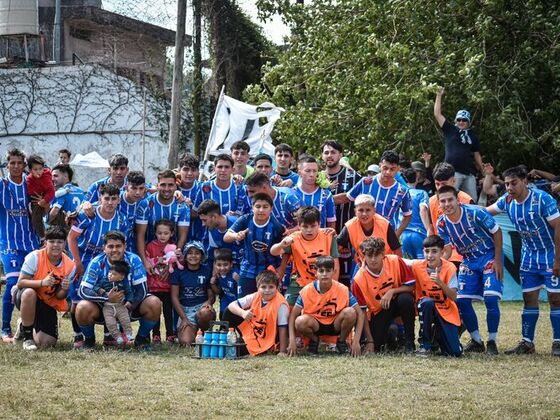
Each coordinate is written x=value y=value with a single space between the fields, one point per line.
x=12 y=260
x=412 y=244
x=477 y=278
x=190 y=312
x=537 y=279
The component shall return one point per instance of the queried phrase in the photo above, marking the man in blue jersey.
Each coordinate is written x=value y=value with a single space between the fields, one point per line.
x=222 y=189
x=285 y=202
x=145 y=308
x=72 y=195
x=478 y=238
x=535 y=215
x=310 y=194
x=240 y=155
x=258 y=231
x=283 y=175
x=420 y=225
x=133 y=194
x=161 y=205
x=190 y=186
x=17 y=237
x=118 y=170
x=390 y=195
x=217 y=225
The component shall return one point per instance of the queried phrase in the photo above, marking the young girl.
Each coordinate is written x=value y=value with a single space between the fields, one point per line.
x=192 y=295
x=158 y=281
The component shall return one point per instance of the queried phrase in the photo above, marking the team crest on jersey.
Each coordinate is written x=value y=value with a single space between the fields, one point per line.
x=259 y=246
x=206 y=188
x=201 y=279
x=151 y=205
x=509 y=199
x=488 y=268
x=368 y=180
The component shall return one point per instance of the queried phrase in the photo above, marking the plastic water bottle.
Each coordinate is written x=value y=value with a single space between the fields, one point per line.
x=199 y=341
x=231 y=351
x=208 y=336
x=214 y=346
x=222 y=346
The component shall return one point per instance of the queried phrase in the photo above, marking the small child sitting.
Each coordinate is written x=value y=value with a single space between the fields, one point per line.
x=41 y=189
x=114 y=313
x=224 y=281
x=261 y=317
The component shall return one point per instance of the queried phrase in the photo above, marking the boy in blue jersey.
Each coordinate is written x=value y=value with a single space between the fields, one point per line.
x=390 y=195
x=258 y=231
x=312 y=195
x=285 y=202
x=190 y=186
x=133 y=194
x=420 y=225
x=71 y=198
x=17 y=237
x=145 y=308
x=118 y=169
x=283 y=176
x=161 y=205
x=535 y=215
x=217 y=225
x=224 y=279
x=192 y=294
x=478 y=238
x=222 y=189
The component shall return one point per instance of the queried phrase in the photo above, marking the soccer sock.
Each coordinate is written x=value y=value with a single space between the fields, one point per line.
x=555 y=321
x=529 y=318
x=88 y=331
x=469 y=317
x=146 y=326
x=75 y=326
x=27 y=332
x=492 y=316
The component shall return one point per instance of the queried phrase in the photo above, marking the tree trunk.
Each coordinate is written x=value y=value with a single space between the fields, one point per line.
x=197 y=77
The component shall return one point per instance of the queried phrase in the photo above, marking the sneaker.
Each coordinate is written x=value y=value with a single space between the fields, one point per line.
x=120 y=341
x=313 y=348
x=109 y=341
x=331 y=348
x=88 y=345
x=491 y=348
x=474 y=347
x=143 y=343
x=29 y=345
x=422 y=352
x=342 y=347
x=556 y=348
x=409 y=348
x=392 y=338
x=523 y=347
x=7 y=338
x=18 y=335
x=78 y=341
x=156 y=339
x=170 y=339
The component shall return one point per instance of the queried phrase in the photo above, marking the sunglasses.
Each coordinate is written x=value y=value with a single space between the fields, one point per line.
x=462 y=120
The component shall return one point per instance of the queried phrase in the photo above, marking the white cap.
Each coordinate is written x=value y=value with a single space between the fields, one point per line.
x=373 y=168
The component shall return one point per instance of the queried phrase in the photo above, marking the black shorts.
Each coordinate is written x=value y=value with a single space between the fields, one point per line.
x=46 y=318
x=327 y=329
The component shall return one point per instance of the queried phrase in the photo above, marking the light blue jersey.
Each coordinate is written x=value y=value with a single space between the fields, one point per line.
x=70 y=201
x=418 y=199
x=472 y=234
x=322 y=199
x=388 y=200
x=150 y=210
x=214 y=239
x=16 y=232
x=530 y=219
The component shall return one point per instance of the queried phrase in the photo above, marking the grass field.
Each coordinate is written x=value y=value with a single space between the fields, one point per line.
x=63 y=383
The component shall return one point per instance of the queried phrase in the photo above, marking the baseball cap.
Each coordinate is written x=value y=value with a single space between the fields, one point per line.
x=464 y=114
x=373 y=168
x=418 y=166
x=195 y=244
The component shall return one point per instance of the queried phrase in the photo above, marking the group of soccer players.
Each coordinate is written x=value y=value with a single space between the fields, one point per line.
x=348 y=252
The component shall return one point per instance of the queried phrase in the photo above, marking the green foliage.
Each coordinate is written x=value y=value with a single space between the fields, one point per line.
x=365 y=73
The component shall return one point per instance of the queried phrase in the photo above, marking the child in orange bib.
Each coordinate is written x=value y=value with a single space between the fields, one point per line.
x=261 y=317
x=325 y=307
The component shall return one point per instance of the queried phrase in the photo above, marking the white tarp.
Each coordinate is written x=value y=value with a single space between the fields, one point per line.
x=235 y=120
x=91 y=160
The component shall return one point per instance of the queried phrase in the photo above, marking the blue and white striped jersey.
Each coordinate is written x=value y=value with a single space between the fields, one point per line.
x=388 y=200
x=196 y=230
x=530 y=219
x=323 y=200
x=16 y=232
x=150 y=210
x=231 y=199
x=471 y=234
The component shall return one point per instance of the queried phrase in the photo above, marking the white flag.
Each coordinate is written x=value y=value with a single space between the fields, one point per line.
x=235 y=120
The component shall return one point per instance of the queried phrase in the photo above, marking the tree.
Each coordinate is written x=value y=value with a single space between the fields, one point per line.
x=366 y=73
